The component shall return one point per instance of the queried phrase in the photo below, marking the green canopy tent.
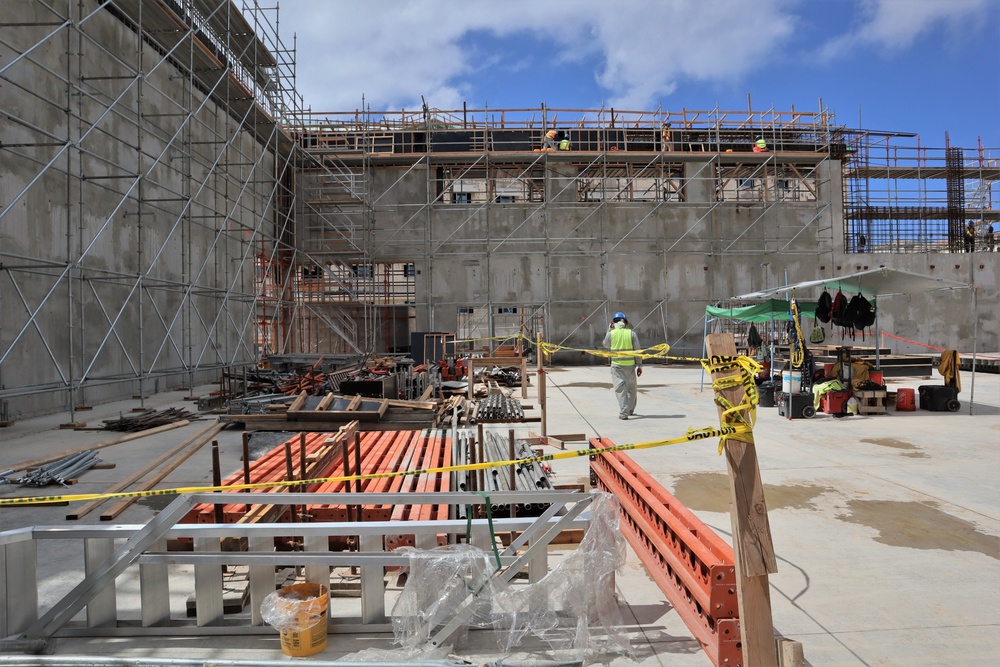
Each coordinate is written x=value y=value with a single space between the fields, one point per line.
x=768 y=311
x=882 y=283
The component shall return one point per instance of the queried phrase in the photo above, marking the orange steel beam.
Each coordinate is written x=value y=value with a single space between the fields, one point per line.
x=691 y=564
x=329 y=512
x=321 y=459
x=322 y=467
x=324 y=458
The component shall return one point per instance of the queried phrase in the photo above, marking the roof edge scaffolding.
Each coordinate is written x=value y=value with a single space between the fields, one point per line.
x=885 y=282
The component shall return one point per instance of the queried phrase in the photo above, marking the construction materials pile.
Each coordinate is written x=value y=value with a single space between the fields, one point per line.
x=146 y=420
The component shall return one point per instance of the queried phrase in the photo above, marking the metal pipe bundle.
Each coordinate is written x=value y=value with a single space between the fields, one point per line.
x=60 y=471
x=499 y=407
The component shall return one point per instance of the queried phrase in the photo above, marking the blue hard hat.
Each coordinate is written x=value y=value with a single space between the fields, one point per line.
x=619 y=316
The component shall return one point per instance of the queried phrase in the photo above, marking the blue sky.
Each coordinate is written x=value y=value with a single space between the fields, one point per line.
x=921 y=66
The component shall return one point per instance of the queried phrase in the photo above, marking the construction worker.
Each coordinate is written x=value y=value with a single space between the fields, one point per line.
x=666 y=137
x=549 y=141
x=760 y=146
x=970 y=237
x=624 y=369
x=564 y=142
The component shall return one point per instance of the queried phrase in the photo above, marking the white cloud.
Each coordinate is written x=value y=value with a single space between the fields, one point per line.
x=896 y=24
x=649 y=48
x=392 y=52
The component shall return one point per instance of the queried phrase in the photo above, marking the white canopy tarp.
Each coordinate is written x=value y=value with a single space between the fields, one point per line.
x=880 y=283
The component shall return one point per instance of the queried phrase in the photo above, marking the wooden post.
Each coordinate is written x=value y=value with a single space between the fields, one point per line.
x=752 y=547
x=246 y=466
x=217 y=481
x=541 y=384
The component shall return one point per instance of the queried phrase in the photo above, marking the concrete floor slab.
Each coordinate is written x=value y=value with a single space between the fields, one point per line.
x=886 y=528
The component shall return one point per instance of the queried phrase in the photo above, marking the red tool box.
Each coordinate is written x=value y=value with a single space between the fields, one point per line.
x=835 y=402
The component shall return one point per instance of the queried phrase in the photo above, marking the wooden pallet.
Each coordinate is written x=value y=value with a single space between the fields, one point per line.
x=870 y=401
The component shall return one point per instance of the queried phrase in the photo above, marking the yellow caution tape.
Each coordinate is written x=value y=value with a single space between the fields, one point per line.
x=690 y=436
x=733 y=425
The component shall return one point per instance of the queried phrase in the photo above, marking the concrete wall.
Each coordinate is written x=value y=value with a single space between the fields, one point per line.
x=125 y=267
x=660 y=263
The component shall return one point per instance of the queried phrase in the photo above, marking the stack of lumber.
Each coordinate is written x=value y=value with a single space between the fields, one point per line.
x=333 y=411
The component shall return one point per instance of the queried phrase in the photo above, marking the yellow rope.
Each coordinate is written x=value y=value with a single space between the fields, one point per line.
x=798 y=351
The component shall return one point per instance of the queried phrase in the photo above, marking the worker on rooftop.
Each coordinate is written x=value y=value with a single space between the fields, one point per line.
x=564 y=142
x=549 y=141
x=970 y=237
x=760 y=146
x=667 y=136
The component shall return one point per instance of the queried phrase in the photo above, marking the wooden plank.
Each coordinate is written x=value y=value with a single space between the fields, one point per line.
x=125 y=483
x=327 y=400
x=559 y=441
x=34 y=463
x=399 y=403
x=752 y=545
x=119 y=507
x=298 y=402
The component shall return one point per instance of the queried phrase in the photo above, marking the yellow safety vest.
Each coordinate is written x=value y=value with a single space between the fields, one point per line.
x=761 y=143
x=621 y=340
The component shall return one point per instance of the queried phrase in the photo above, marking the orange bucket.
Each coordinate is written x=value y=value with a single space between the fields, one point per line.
x=905 y=400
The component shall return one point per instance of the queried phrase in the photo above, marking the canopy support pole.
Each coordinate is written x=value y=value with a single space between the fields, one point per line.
x=975 y=336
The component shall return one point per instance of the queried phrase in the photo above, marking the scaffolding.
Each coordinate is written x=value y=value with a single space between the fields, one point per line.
x=468 y=168
x=169 y=209
x=145 y=242
x=917 y=199
x=465 y=170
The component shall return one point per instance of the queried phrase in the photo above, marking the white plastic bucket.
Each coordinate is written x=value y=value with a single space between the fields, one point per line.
x=791 y=382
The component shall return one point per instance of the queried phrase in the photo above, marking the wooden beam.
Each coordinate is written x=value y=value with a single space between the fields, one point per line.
x=298 y=402
x=131 y=479
x=327 y=400
x=196 y=444
x=100 y=445
x=752 y=546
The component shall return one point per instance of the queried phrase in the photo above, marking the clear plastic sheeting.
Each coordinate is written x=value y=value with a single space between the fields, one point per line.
x=573 y=607
x=442 y=581
x=295 y=608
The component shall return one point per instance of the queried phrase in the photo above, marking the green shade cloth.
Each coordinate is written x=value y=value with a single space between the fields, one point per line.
x=773 y=309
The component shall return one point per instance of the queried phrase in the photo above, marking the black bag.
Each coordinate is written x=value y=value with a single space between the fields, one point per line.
x=823 y=307
x=753 y=338
x=864 y=316
x=860 y=313
x=838 y=311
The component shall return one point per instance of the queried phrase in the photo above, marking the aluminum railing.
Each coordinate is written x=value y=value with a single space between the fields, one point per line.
x=110 y=551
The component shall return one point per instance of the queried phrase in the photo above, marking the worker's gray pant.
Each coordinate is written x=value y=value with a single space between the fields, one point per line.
x=626 y=387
